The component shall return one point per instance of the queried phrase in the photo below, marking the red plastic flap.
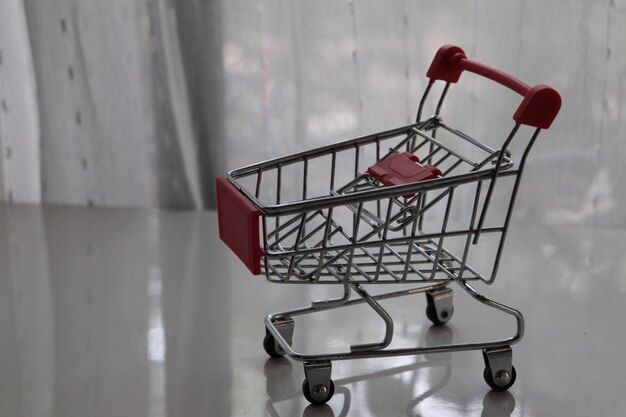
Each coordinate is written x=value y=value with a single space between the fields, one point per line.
x=238 y=222
x=402 y=168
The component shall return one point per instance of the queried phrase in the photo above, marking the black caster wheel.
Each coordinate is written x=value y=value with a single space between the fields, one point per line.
x=269 y=344
x=321 y=394
x=439 y=309
x=501 y=374
x=284 y=326
x=440 y=320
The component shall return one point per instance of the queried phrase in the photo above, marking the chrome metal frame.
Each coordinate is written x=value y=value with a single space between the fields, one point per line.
x=385 y=242
x=378 y=349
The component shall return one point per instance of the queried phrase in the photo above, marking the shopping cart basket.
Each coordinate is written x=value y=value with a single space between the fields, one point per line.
x=393 y=220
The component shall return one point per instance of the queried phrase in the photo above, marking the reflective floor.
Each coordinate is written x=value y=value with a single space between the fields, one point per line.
x=113 y=312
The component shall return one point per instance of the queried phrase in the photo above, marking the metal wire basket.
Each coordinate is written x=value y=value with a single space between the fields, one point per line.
x=389 y=222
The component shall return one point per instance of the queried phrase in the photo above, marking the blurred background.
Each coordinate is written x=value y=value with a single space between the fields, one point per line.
x=143 y=103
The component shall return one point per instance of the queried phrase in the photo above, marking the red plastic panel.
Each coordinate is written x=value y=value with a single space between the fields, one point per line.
x=402 y=168
x=541 y=103
x=238 y=222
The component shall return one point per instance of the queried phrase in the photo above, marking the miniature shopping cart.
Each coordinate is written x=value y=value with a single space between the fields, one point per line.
x=405 y=206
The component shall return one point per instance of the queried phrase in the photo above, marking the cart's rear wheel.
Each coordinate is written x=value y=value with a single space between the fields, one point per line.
x=321 y=394
x=439 y=309
x=502 y=385
x=269 y=344
x=284 y=326
x=431 y=313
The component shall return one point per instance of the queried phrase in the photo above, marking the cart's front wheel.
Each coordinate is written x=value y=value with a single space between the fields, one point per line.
x=502 y=382
x=320 y=394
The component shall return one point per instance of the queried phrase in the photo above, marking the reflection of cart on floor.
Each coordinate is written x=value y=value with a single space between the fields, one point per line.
x=388 y=223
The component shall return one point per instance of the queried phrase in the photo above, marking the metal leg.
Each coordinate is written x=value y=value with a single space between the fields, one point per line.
x=285 y=327
x=317 y=387
x=383 y=314
x=440 y=305
x=498 y=306
x=499 y=371
x=333 y=302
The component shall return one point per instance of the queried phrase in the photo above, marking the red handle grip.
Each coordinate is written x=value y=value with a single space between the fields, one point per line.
x=540 y=105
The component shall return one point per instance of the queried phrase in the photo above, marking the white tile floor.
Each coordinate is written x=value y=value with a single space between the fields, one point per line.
x=144 y=313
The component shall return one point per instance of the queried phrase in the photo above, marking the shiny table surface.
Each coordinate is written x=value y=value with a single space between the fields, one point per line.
x=115 y=312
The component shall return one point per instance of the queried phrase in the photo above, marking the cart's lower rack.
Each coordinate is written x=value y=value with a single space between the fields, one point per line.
x=428 y=261
x=318 y=387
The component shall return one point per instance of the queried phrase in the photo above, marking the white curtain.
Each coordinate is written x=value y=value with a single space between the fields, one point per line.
x=19 y=117
x=101 y=106
x=143 y=103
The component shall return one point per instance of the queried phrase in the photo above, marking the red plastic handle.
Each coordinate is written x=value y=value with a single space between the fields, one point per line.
x=540 y=105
